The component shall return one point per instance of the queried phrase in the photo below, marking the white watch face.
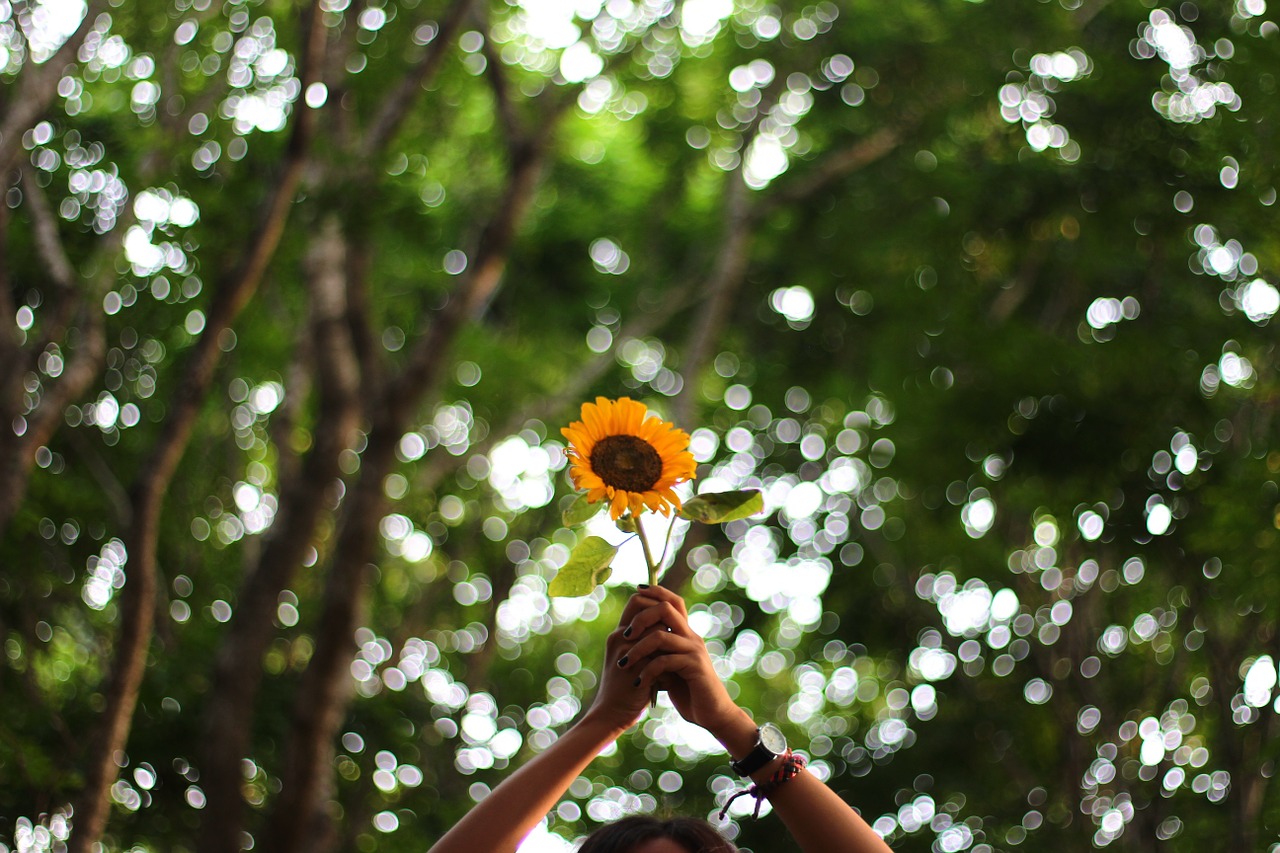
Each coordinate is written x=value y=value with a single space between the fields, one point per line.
x=772 y=738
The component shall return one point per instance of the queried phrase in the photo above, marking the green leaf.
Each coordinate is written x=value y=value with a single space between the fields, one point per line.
x=719 y=507
x=580 y=511
x=587 y=568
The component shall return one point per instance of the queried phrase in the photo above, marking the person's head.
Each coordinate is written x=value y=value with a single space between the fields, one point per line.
x=644 y=834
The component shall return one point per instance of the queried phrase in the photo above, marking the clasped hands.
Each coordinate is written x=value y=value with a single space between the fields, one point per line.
x=654 y=648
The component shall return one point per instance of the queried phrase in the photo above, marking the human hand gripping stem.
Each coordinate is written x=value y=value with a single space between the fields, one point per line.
x=665 y=652
x=622 y=696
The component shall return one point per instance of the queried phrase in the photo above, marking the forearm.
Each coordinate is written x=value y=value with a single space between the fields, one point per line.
x=819 y=821
x=501 y=820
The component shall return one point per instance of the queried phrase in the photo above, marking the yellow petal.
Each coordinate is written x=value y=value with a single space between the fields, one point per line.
x=619 y=504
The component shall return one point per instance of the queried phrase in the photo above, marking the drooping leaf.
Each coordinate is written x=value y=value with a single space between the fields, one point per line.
x=587 y=568
x=719 y=507
x=580 y=511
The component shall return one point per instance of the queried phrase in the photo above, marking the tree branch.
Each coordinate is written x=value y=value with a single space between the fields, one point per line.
x=83 y=358
x=137 y=613
x=102 y=474
x=423 y=368
x=360 y=318
x=10 y=339
x=726 y=278
x=1009 y=299
x=396 y=105
x=299 y=816
x=501 y=92
x=53 y=257
x=304 y=500
x=37 y=86
x=480 y=662
x=44 y=227
x=832 y=168
x=8 y=334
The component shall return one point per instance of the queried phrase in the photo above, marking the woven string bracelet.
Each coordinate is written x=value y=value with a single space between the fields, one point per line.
x=792 y=764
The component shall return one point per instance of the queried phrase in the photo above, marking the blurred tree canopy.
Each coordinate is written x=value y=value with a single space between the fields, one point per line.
x=295 y=296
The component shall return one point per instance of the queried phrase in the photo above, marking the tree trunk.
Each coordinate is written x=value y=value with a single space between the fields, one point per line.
x=137 y=610
x=326 y=685
x=300 y=816
x=77 y=307
x=303 y=502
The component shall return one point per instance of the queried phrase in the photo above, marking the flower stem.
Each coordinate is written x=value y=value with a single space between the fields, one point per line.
x=648 y=555
x=666 y=544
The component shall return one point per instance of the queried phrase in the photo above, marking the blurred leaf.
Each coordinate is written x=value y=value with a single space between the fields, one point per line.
x=587 y=568
x=719 y=507
x=580 y=511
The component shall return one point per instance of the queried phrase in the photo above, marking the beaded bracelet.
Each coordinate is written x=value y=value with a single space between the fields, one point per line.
x=791 y=766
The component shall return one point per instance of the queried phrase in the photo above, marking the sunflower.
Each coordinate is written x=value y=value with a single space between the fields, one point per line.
x=621 y=454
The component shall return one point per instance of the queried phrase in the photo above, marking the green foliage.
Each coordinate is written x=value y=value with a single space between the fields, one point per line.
x=721 y=507
x=580 y=511
x=587 y=568
x=1004 y=391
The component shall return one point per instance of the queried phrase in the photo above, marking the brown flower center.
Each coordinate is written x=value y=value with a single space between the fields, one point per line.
x=626 y=462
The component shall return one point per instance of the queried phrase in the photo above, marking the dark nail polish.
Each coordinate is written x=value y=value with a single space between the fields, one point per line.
x=622 y=661
x=627 y=632
x=636 y=683
x=643 y=586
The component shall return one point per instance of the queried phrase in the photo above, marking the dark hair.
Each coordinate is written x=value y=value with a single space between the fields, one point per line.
x=623 y=836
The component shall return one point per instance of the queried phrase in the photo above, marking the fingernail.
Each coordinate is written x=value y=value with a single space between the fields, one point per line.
x=636 y=683
x=643 y=586
x=622 y=661
x=627 y=632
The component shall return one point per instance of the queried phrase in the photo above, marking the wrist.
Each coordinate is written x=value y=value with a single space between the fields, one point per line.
x=737 y=734
x=600 y=726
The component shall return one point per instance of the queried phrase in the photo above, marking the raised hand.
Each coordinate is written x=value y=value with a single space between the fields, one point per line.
x=620 y=700
x=658 y=649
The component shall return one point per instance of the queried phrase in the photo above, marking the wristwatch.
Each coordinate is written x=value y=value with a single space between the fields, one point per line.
x=770 y=743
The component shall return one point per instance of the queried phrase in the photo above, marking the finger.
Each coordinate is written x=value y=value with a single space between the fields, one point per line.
x=661 y=593
x=664 y=612
x=615 y=645
x=654 y=668
x=658 y=642
x=634 y=606
x=636 y=603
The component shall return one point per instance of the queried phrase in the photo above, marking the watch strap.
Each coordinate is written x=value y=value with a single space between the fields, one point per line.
x=758 y=757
